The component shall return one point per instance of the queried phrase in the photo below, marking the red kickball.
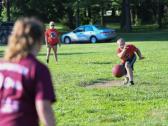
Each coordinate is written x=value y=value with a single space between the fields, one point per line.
x=118 y=70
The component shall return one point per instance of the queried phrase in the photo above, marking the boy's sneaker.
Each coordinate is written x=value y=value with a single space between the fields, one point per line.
x=126 y=80
x=131 y=83
x=47 y=61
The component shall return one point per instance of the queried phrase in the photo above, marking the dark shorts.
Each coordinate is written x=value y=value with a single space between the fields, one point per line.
x=131 y=61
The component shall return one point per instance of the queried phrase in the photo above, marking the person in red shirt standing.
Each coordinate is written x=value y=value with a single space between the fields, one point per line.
x=127 y=53
x=26 y=90
x=52 y=39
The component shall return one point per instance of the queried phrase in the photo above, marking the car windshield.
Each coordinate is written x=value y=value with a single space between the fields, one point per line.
x=100 y=27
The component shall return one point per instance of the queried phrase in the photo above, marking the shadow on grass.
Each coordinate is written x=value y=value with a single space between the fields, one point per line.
x=100 y=80
x=68 y=54
x=99 y=63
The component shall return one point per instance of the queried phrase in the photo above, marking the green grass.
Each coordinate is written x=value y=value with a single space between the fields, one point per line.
x=144 y=104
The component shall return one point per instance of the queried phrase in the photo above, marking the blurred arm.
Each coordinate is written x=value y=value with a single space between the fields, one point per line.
x=122 y=53
x=139 y=54
x=45 y=113
x=46 y=39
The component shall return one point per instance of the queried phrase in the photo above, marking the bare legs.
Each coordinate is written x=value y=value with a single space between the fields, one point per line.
x=48 y=53
x=129 y=72
x=55 y=53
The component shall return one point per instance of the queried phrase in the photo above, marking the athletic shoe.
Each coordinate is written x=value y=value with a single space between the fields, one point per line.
x=126 y=80
x=131 y=82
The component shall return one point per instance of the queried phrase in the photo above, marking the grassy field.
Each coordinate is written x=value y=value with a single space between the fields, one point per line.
x=144 y=104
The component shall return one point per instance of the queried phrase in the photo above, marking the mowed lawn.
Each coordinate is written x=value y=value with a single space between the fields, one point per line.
x=80 y=65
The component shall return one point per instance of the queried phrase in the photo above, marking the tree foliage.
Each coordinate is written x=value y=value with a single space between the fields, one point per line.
x=125 y=12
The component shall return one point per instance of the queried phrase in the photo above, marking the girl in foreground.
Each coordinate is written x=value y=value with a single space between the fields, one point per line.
x=26 y=90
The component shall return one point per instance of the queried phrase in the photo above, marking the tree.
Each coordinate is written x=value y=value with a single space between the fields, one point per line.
x=125 y=16
x=160 y=13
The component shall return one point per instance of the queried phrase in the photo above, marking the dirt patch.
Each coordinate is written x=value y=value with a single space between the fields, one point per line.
x=105 y=84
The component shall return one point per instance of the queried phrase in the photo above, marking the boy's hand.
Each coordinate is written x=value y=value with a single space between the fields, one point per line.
x=125 y=48
x=141 y=58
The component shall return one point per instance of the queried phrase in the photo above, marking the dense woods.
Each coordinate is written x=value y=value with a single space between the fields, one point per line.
x=75 y=12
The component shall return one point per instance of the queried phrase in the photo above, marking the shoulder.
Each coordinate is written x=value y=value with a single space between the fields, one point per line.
x=55 y=30
x=131 y=45
x=34 y=63
x=48 y=30
x=40 y=67
x=41 y=71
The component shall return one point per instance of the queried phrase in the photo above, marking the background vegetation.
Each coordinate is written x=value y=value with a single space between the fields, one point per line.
x=80 y=65
x=75 y=12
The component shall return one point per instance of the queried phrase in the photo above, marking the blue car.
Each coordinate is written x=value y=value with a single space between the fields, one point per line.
x=89 y=33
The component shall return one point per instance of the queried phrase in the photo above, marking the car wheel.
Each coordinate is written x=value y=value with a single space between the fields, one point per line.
x=93 y=39
x=67 y=40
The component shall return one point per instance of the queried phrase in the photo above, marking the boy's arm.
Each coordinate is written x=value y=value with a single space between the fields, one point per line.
x=122 y=53
x=46 y=40
x=139 y=54
x=45 y=35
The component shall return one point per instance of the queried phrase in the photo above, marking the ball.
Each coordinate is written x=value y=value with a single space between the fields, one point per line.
x=118 y=70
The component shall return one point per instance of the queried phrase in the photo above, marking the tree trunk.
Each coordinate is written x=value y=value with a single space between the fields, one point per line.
x=113 y=12
x=133 y=15
x=160 y=13
x=78 y=14
x=70 y=18
x=125 y=16
x=102 y=16
x=8 y=10
x=89 y=14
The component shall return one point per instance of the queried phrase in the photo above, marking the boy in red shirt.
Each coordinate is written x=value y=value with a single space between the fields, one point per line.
x=127 y=53
x=52 y=39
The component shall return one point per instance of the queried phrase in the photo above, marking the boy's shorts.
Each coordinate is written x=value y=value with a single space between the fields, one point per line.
x=131 y=61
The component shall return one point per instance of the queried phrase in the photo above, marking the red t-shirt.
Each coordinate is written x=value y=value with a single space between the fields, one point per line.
x=52 y=36
x=129 y=52
x=21 y=84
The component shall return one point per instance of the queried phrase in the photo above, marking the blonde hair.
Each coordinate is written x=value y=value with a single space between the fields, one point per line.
x=26 y=33
x=51 y=23
x=120 y=40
